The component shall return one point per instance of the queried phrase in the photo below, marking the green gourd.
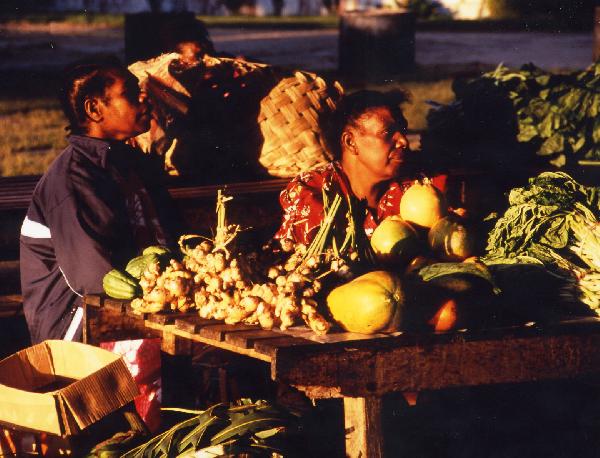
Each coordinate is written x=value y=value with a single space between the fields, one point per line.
x=120 y=285
x=137 y=265
x=158 y=249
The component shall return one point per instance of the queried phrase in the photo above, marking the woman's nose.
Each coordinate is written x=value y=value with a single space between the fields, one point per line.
x=145 y=100
x=401 y=140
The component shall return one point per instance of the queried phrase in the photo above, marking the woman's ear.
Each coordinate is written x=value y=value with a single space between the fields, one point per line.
x=93 y=109
x=348 y=142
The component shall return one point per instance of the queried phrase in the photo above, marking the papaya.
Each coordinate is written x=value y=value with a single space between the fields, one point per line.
x=446 y=317
x=395 y=241
x=158 y=249
x=120 y=285
x=368 y=304
x=137 y=265
x=452 y=239
x=471 y=287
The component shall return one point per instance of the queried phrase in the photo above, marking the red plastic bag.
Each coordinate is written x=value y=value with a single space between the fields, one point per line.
x=142 y=357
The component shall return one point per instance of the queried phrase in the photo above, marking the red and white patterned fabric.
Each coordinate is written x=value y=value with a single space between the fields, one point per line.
x=302 y=201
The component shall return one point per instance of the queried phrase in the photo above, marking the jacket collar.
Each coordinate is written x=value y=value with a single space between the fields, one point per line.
x=97 y=150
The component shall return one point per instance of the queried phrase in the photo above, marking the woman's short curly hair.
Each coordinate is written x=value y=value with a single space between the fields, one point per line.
x=85 y=79
x=351 y=107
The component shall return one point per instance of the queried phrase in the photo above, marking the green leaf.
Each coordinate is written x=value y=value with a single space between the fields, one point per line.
x=578 y=143
x=593 y=108
x=249 y=424
x=441 y=269
x=554 y=144
x=193 y=439
x=526 y=132
x=543 y=80
x=269 y=432
x=160 y=445
x=596 y=131
x=559 y=161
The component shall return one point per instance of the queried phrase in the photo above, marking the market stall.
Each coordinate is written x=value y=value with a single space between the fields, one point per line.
x=360 y=369
x=468 y=324
x=432 y=297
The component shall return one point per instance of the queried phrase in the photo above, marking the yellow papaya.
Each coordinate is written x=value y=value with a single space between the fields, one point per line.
x=368 y=304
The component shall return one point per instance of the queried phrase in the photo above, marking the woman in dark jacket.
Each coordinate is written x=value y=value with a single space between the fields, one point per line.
x=98 y=204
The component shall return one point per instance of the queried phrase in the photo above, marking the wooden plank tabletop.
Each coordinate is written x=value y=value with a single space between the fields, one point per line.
x=343 y=364
x=435 y=361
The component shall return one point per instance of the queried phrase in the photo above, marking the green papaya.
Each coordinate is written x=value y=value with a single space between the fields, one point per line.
x=121 y=285
x=137 y=265
x=158 y=249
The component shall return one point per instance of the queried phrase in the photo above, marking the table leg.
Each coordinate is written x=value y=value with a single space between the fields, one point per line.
x=175 y=345
x=363 y=428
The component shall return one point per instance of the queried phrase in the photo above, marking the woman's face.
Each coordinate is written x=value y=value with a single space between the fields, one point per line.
x=125 y=110
x=380 y=143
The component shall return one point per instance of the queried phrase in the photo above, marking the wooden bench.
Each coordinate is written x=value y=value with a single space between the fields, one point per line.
x=11 y=305
x=361 y=369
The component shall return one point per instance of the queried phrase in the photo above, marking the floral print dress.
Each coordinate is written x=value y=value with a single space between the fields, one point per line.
x=303 y=207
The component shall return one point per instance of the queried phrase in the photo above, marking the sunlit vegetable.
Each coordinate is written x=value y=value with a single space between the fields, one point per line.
x=423 y=204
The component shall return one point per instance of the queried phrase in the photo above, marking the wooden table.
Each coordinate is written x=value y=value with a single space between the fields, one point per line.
x=361 y=369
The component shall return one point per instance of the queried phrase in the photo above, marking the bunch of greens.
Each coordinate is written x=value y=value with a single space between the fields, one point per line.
x=256 y=429
x=553 y=221
x=529 y=116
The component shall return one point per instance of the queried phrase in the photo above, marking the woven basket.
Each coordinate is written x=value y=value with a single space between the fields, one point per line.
x=261 y=118
x=289 y=121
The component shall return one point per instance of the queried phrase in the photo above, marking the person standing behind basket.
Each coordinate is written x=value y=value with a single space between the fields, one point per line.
x=97 y=205
x=366 y=135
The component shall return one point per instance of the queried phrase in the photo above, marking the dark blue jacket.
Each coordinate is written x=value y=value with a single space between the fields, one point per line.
x=80 y=224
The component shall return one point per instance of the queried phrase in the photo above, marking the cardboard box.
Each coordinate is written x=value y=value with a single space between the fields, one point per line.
x=62 y=387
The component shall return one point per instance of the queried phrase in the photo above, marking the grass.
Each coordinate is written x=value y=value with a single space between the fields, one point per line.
x=106 y=20
x=420 y=93
x=31 y=135
x=32 y=129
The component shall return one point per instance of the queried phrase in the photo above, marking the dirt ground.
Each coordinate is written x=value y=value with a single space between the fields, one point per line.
x=51 y=47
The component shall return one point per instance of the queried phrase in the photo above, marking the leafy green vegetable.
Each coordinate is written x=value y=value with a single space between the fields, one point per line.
x=552 y=221
x=253 y=428
x=535 y=115
x=441 y=269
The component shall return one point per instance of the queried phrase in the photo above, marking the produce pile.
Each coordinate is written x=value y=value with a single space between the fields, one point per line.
x=275 y=286
x=553 y=222
x=419 y=270
x=321 y=285
x=509 y=117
